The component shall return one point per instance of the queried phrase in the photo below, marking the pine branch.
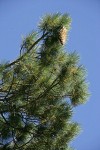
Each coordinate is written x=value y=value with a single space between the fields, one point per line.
x=26 y=143
x=20 y=58
x=14 y=139
x=9 y=88
x=4 y=118
x=48 y=89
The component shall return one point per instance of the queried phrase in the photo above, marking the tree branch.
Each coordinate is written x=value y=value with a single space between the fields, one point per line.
x=20 y=58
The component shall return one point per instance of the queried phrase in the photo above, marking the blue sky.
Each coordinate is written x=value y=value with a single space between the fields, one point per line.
x=20 y=17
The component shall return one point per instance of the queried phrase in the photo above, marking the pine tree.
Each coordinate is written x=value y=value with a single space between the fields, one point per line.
x=39 y=90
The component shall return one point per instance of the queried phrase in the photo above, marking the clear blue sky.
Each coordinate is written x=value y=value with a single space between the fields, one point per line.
x=20 y=17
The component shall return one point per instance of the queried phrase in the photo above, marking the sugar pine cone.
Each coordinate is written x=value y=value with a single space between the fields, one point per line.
x=62 y=35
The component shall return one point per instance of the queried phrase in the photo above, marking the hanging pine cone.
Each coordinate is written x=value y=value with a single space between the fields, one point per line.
x=62 y=35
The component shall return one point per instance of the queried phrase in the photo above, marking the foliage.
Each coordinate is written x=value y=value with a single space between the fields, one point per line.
x=39 y=90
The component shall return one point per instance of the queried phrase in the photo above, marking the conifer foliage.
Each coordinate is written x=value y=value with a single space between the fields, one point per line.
x=39 y=90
